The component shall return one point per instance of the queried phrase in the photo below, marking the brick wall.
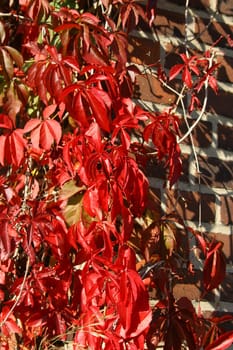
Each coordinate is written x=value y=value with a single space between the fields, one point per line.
x=204 y=201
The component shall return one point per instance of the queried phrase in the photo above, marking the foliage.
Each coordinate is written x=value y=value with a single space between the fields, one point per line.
x=76 y=206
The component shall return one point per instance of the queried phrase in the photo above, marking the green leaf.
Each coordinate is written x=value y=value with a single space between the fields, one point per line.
x=73 y=211
x=69 y=189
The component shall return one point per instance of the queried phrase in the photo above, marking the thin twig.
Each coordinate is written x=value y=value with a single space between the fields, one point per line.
x=19 y=295
x=200 y=115
x=12 y=14
x=22 y=211
x=186 y=27
x=203 y=106
x=186 y=120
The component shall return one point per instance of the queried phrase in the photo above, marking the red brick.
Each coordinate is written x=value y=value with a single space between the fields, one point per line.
x=220 y=103
x=170 y=24
x=186 y=204
x=197 y=4
x=225 y=137
x=156 y=169
x=188 y=290
x=225 y=70
x=216 y=172
x=185 y=168
x=192 y=287
x=226 y=210
x=202 y=133
x=210 y=32
x=226 y=7
x=148 y=88
x=171 y=57
x=154 y=203
x=143 y=51
x=227 y=288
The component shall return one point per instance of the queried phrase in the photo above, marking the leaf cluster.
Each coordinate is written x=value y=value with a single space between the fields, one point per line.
x=76 y=209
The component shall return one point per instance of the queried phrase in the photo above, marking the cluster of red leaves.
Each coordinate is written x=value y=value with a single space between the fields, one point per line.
x=73 y=180
x=176 y=322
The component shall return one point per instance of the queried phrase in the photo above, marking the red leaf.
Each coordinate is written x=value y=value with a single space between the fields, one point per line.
x=186 y=77
x=50 y=132
x=151 y=10
x=133 y=306
x=2 y=149
x=5 y=122
x=44 y=133
x=100 y=103
x=31 y=124
x=229 y=40
x=10 y=325
x=202 y=242
x=214 y=267
x=5 y=241
x=91 y=202
x=126 y=257
x=66 y=26
x=213 y=83
x=49 y=110
x=80 y=114
x=221 y=343
x=17 y=145
x=37 y=319
x=175 y=70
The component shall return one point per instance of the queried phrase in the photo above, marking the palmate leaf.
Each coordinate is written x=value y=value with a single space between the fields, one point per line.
x=130 y=13
x=119 y=47
x=50 y=73
x=89 y=39
x=162 y=130
x=189 y=66
x=82 y=272
x=43 y=133
x=89 y=101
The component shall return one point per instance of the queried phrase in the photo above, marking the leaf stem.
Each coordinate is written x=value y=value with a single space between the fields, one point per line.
x=19 y=295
